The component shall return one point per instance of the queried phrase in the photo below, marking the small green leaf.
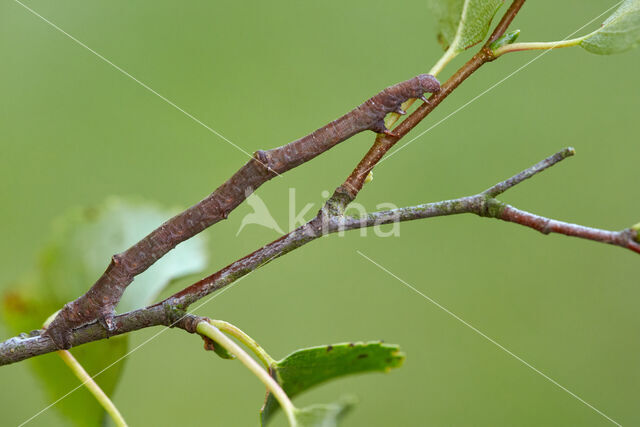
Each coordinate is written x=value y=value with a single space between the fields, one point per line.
x=636 y=228
x=324 y=415
x=505 y=39
x=76 y=254
x=308 y=367
x=463 y=23
x=212 y=345
x=620 y=31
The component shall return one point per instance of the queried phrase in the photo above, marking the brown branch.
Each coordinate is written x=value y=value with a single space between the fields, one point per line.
x=36 y=343
x=486 y=205
x=504 y=23
x=103 y=296
x=503 y=186
x=625 y=238
x=171 y=312
x=384 y=143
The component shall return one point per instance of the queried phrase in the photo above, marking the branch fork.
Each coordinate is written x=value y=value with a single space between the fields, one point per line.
x=91 y=317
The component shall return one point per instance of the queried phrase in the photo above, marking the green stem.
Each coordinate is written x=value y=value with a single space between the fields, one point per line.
x=88 y=381
x=515 y=47
x=245 y=339
x=443 y=61
x=93 y=387
x=208 y=330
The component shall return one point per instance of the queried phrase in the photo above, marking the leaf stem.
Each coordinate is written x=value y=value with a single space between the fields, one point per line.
x=443 y=61
x=207 y=329
x=88 y=381
x=93 y=387
x=516 y=47
x=245 y=339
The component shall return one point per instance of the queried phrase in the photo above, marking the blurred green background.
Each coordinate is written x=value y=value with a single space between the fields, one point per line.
x=74 y=130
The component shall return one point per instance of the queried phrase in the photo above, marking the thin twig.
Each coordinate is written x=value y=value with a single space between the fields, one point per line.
x=503 y=186
x=383 y=143
x=329 y=220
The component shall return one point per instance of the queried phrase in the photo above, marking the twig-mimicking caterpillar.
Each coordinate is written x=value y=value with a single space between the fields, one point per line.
x=100 y=301
x=370 y=115
x=367 y=116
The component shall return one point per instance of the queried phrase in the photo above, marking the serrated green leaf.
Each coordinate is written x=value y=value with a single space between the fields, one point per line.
x=76 y=254
x=463 y=23
x=326 y=415
x=618 y=33
x=308 y=367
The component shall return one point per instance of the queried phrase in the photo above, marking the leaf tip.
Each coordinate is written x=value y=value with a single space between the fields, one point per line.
x=369 y=177
x=636 y=228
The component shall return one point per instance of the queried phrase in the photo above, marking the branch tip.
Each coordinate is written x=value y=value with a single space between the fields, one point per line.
x=529 y=172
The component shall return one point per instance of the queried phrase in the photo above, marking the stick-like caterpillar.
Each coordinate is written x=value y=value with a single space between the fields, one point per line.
x=367 y=116
x=100 y=301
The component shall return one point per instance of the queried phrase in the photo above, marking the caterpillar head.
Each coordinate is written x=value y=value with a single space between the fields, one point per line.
x=428 y=83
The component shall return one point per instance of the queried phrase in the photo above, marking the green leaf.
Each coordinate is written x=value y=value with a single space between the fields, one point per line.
x=620 y=32
x=463 y=23
x=211 y=345
x=76 y=254
x=323 y=415
x=636 y=228
x=84 y=240
x=505 y=39
x=308 y=367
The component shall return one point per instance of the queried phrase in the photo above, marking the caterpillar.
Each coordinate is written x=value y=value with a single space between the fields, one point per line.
x=370 y=114
x=367 y=116
x=99 y=302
